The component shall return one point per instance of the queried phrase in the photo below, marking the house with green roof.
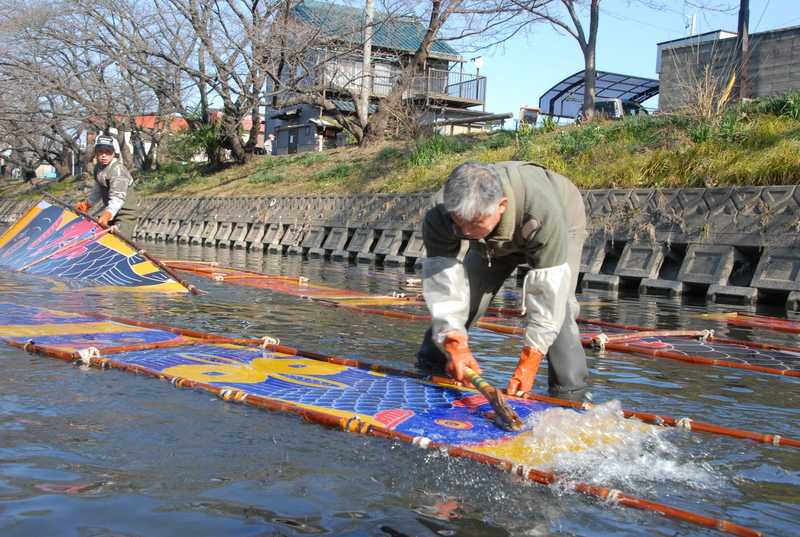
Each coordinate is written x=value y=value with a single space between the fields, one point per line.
x=441 y=90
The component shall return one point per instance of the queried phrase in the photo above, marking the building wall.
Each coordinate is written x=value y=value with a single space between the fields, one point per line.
x=774 y=67
x=298 y=126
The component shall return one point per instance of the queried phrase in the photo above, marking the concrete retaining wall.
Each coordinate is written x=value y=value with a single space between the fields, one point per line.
x=731 y=244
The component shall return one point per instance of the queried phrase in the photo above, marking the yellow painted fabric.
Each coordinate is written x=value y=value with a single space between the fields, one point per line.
x=19 y=225
x=100 y=327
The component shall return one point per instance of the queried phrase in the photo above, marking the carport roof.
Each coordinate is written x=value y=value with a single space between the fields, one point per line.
x=565 y=99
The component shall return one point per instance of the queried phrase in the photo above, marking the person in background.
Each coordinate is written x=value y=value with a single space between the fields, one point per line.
x=112 y=184
x=268 y=143
x=489 y=219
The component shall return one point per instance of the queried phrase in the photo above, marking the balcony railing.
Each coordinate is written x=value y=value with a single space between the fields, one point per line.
x=450 y=85
x=434 y=83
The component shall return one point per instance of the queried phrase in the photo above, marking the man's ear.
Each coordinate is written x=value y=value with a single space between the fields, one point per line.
x=503 y=205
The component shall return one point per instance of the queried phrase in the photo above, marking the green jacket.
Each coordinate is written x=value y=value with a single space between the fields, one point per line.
x=542 y=207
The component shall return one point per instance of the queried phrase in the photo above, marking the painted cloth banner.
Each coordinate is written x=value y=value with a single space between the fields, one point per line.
x=51 y=240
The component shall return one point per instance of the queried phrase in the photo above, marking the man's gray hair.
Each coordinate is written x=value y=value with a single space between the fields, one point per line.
x=473 y=189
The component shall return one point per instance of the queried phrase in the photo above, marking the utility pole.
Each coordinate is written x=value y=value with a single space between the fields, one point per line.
x=366 y=65
x=744 y=47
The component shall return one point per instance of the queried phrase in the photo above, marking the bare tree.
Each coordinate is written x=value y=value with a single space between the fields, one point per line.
x=331 y=66
x=564 y=15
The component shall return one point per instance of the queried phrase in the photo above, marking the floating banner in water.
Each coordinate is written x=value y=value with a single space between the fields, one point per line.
x=699 y=347
x=52 y=240
x=335 y=392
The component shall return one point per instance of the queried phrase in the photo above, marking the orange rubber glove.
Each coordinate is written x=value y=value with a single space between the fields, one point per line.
x=525 y=373
x=83 y=206
x=105 y=218
x=459 y=356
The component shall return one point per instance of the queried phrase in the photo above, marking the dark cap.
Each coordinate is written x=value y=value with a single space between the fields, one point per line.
x=105 y=142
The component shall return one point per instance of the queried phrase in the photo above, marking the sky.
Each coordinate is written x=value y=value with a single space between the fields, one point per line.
x=525 y=68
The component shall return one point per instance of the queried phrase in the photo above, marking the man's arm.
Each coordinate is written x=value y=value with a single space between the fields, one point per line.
x=444 y=280
x=546 y=286
x=118 y=185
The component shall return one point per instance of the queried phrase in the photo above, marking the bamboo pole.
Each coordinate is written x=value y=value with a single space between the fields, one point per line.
x=612 y=345
x=628 y=347
x=657 y=419
x=515 y=330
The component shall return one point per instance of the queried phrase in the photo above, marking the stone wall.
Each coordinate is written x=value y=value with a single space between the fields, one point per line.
x=732 y=244
x=774 y=67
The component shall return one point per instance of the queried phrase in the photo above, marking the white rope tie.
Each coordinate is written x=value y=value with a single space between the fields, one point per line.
x=706 y=335
x=776 y=439
x=612 y=496
x=269 y=340
x=218 y=276
x=421 y=442
x=396 y=294
x=599 y=341
x=586 y=405
x=523 y=470
x=348 y=424
x=684 y=423
x=302 y=280
x=86 y=355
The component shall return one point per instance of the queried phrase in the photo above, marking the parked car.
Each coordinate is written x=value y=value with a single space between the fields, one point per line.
x=614 y=109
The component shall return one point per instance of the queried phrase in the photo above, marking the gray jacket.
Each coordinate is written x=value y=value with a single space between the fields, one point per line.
x=111 y=185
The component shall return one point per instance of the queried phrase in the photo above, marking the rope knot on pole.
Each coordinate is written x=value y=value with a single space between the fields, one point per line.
x=266 y=341
x=707 y=334
x=28 y=347
x=599 y=341
x=422 y=442
x=85 y=356
x=522 y=470
x=684 y=423
x=612 y=496
x=776 y=439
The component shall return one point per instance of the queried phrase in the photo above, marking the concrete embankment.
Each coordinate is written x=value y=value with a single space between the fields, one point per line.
x=735 y=244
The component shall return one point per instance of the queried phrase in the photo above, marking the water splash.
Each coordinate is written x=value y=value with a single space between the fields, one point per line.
x=601 y=446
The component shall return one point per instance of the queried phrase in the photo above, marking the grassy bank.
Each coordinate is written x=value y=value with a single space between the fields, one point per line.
x=755 y=144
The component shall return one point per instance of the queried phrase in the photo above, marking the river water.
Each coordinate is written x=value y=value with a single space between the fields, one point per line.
x=105 y=453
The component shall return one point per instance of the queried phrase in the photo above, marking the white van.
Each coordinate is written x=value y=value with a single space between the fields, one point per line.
x=614 y=109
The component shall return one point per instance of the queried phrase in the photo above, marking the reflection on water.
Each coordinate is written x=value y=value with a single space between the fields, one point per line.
x=88 y=452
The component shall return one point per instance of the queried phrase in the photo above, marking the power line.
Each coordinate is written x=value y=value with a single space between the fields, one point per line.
x=631 y=19
x=758 y=24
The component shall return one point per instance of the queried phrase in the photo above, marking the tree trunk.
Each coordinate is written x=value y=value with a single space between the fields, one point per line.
x=230 y=126
x=201 y=85
x=63 y=166
x=255 y=124
x=589 y=81
x=376 y=128
x=589 y=48
x=366 y=67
